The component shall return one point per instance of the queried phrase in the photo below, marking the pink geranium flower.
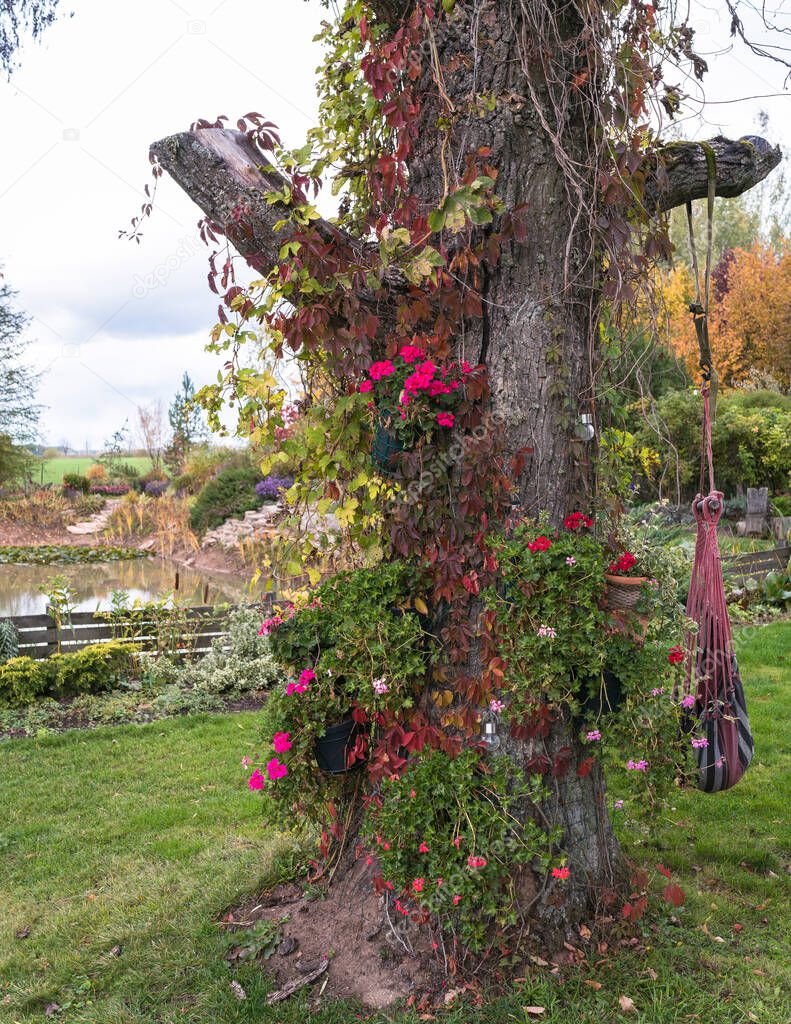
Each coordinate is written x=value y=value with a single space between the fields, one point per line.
x=446 y=419
x=699 y=741
x=411 y=353
x=417 y=885
x=541 y=543
x=637 y=766
x=593 y=735
x=306 y=677
x=496 y=706
x=688 y=701
x=561 y=873
x=548 y=632
x=281 y=742
x=276 y=770
x=256 y=780
x=423 y=848
x=365 y=386
x=456 y=900
x=383 y=368
x=476 y=862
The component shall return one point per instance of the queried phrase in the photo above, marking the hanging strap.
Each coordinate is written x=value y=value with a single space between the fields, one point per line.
x=700 y=316
x=700 y=308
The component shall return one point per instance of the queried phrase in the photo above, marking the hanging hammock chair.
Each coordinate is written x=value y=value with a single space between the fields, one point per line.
x=719 y=715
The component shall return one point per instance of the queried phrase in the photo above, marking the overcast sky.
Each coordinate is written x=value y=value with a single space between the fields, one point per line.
x=116 y=324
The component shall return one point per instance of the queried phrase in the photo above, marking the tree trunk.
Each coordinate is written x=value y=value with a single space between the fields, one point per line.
x=537 y=333
x=535 y=338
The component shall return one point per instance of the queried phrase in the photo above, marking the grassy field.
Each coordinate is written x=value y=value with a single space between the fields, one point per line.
x=51 y=470
x=119 y=848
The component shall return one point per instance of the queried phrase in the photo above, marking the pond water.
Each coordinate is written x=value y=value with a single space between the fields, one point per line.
x=143 y=578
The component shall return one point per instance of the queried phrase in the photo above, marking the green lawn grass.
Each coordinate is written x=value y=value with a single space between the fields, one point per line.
x=138 y=837
x=51 y=471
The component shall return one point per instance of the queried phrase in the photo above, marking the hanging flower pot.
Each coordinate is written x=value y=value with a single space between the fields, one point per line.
x=387 y=442
x=623 y=592
x=333 y=748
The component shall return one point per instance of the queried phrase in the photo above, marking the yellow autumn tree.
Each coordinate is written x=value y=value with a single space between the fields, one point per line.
x=749 y=315
x=753 y=316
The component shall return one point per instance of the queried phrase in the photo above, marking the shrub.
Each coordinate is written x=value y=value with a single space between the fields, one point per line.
x=96 y=473
x=204 y=463
x=9 y=641
x=76 y=482
x=751 y=439
x=88 y=504
x=247 y=667
x=110 y=490
x=156 y=488
x=228 y=496
x=94 y=669
x=270 y=488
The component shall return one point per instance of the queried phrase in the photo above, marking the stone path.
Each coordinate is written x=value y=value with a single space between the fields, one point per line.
x=97 y=522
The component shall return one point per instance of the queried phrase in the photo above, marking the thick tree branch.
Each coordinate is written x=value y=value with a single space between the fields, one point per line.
x=683 y=174
x=224 y=173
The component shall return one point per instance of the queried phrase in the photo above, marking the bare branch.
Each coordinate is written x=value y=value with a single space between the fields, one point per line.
x=683 y=174
x=227 y=176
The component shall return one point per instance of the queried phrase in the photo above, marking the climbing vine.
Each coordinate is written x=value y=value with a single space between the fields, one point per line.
x=382 y=313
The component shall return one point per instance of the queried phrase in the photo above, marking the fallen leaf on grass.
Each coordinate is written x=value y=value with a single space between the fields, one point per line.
x=534 y=1011
x=593 y=984
x=627 y=1004
x=51 y=1009
x=651 y=973
x=22 y=933
x=238 y=991
x=738 y=927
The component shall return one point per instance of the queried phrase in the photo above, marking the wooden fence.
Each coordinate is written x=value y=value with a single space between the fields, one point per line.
x=190 y=631
x=756 y=564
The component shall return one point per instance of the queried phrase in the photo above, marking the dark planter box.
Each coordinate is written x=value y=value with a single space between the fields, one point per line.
x=387 y=444
x=332 y=749
x=604 y=698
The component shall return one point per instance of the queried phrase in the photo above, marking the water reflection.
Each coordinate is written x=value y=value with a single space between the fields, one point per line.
x=143 y=578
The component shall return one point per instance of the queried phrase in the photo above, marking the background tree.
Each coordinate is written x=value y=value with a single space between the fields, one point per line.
x=152 y=431
x=18 y=17
x=19 y=412
x=187 y=425
x=498 y=220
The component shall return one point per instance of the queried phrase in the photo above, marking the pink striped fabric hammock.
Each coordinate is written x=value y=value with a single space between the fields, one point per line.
x=712 y=674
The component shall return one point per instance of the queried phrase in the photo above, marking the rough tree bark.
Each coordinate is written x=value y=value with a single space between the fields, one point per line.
x=536 y=334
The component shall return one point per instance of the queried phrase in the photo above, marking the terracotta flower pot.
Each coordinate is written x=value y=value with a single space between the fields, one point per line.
x=623 y=592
